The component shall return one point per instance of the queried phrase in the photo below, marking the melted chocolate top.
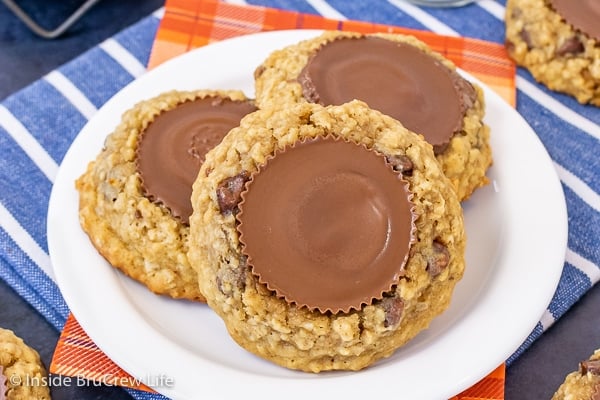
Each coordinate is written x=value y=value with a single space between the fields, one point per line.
x=583 y=15
x=172 y=148
x=327 y=224
x=395 y=78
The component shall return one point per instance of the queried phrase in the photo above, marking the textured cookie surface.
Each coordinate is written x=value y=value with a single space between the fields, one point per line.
x=137 y=235
x=26 y=377
x=466 y=157
x=583 y=384
x=557 y=54
x=296 y=337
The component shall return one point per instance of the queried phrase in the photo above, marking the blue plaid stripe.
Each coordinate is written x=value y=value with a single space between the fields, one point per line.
x=47 y=117
x=138 y=40
x=573 y=284
x=26 y=199
x=471 y=22
x=97 y=75
x=23 y=275
x=584 y=228
x=566 y=144
x=292 y=5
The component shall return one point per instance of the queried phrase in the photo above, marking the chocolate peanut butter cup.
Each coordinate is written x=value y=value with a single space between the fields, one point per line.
x=332 y=242
x=332 y=236
x=397 y=75
x=396 y=78
x=584 y=15
x=172 y=148
x=134 y=197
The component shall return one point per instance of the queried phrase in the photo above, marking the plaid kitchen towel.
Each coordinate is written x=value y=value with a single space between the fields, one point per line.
x=38 y=124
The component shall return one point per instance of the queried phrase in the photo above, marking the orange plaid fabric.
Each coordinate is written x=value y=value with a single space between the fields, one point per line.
x=189 y=24
x=77 y=355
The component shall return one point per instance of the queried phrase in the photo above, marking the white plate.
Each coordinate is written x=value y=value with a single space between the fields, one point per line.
x=516 y=226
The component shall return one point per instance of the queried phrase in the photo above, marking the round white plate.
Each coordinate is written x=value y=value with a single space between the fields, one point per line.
x=516 y=226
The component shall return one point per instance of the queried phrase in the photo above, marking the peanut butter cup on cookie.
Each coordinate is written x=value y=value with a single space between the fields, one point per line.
x=135 y=197
x=397 y=75
x=558 y=42
x=325 y=237
x=338 y=230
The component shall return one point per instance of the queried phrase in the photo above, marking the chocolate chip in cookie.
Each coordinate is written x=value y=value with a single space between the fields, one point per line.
x=590 y=367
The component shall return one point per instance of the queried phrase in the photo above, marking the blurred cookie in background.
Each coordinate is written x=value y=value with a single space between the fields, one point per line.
x=557 y=41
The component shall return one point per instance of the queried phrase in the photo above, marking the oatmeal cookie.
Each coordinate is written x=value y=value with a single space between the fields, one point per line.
x=583 y=384
x=134 y=198
x=325 y=237
x=22 y=369
x=557 y=41
x=398 y=75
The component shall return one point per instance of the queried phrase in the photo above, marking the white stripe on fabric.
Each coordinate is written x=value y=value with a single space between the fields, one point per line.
x=28 y=143
x=326 y=10
x=426 y=19
x=497 y=10
x=547 y=320
x=579 y=187
x=71 y=93
x=121 y=55
x=160 y=13
x=22 y=238
x=237 y=2
x=590 y=269
x=557 y=108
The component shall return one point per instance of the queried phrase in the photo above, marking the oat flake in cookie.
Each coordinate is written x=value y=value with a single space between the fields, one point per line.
x=325 y=237
x=22 y=375
x=135 y=197
x=557 y=41
x=583 y=384
x=397 y=75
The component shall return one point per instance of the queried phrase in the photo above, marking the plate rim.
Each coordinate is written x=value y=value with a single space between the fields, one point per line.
x=116 y=351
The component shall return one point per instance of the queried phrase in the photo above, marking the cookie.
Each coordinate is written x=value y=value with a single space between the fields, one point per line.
x=134 y=198
x=325 y=237
x=583 y=384
x=397 y=75
x=558 y=42
x=24 y=374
